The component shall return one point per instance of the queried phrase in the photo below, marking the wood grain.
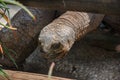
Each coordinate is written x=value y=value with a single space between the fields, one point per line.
x=18 y=75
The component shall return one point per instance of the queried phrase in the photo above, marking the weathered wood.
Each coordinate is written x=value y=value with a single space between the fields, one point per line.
x=95 y=6
x=57 y=38
x=19 y=75
x=24 y=40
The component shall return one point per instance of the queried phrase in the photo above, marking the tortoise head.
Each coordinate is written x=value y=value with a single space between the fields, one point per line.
x=56 y=41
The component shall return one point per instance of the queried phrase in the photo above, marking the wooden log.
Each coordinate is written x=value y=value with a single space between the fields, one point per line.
x=57 y=38
x=19 y=75
x=24 y=40
x=95 y=6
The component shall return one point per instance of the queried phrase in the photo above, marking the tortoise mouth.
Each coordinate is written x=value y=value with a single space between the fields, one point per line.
x=55 y=56
x=56 y=51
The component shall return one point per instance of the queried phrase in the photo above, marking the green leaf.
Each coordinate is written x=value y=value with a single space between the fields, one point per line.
x=4 y=7
x=3 y=74
x=8 y=26
x=7 y=52
x=14 y=2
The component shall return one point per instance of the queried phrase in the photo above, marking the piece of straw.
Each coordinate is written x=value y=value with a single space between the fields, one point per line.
x=51 y=70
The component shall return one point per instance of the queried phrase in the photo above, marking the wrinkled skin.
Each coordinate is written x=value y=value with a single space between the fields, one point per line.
x=57 y=38
x=56 y=43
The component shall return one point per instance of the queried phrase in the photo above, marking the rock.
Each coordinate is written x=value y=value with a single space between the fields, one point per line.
x=85 y=61
x=24 y=40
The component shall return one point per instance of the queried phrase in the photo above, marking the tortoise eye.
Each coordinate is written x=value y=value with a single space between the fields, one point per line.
x=56 y=46
x=39 y=43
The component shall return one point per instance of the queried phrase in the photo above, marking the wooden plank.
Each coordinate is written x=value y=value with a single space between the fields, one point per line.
x=18 y=75
x=96 y=6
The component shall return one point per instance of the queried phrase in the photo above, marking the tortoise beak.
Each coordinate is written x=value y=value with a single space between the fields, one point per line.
x=56 y=51
x=55 y=56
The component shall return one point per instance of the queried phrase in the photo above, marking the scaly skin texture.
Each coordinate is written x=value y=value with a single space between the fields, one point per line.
x=57 y=38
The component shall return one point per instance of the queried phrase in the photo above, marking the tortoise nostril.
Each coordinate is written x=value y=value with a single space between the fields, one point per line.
x=39 y=43
x=41 y=47
x=41 y=50
x=56 y=46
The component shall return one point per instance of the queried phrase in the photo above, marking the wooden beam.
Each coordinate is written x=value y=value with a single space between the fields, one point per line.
x=18 y=75
x=95 y=6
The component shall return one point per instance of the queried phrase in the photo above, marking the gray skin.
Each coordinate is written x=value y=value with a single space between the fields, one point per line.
x=57 y=38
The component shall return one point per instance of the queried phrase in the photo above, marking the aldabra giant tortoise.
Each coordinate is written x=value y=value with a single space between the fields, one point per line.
x=57 y=38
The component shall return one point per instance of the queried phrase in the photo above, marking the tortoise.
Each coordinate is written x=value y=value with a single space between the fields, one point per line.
x=57 y=38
